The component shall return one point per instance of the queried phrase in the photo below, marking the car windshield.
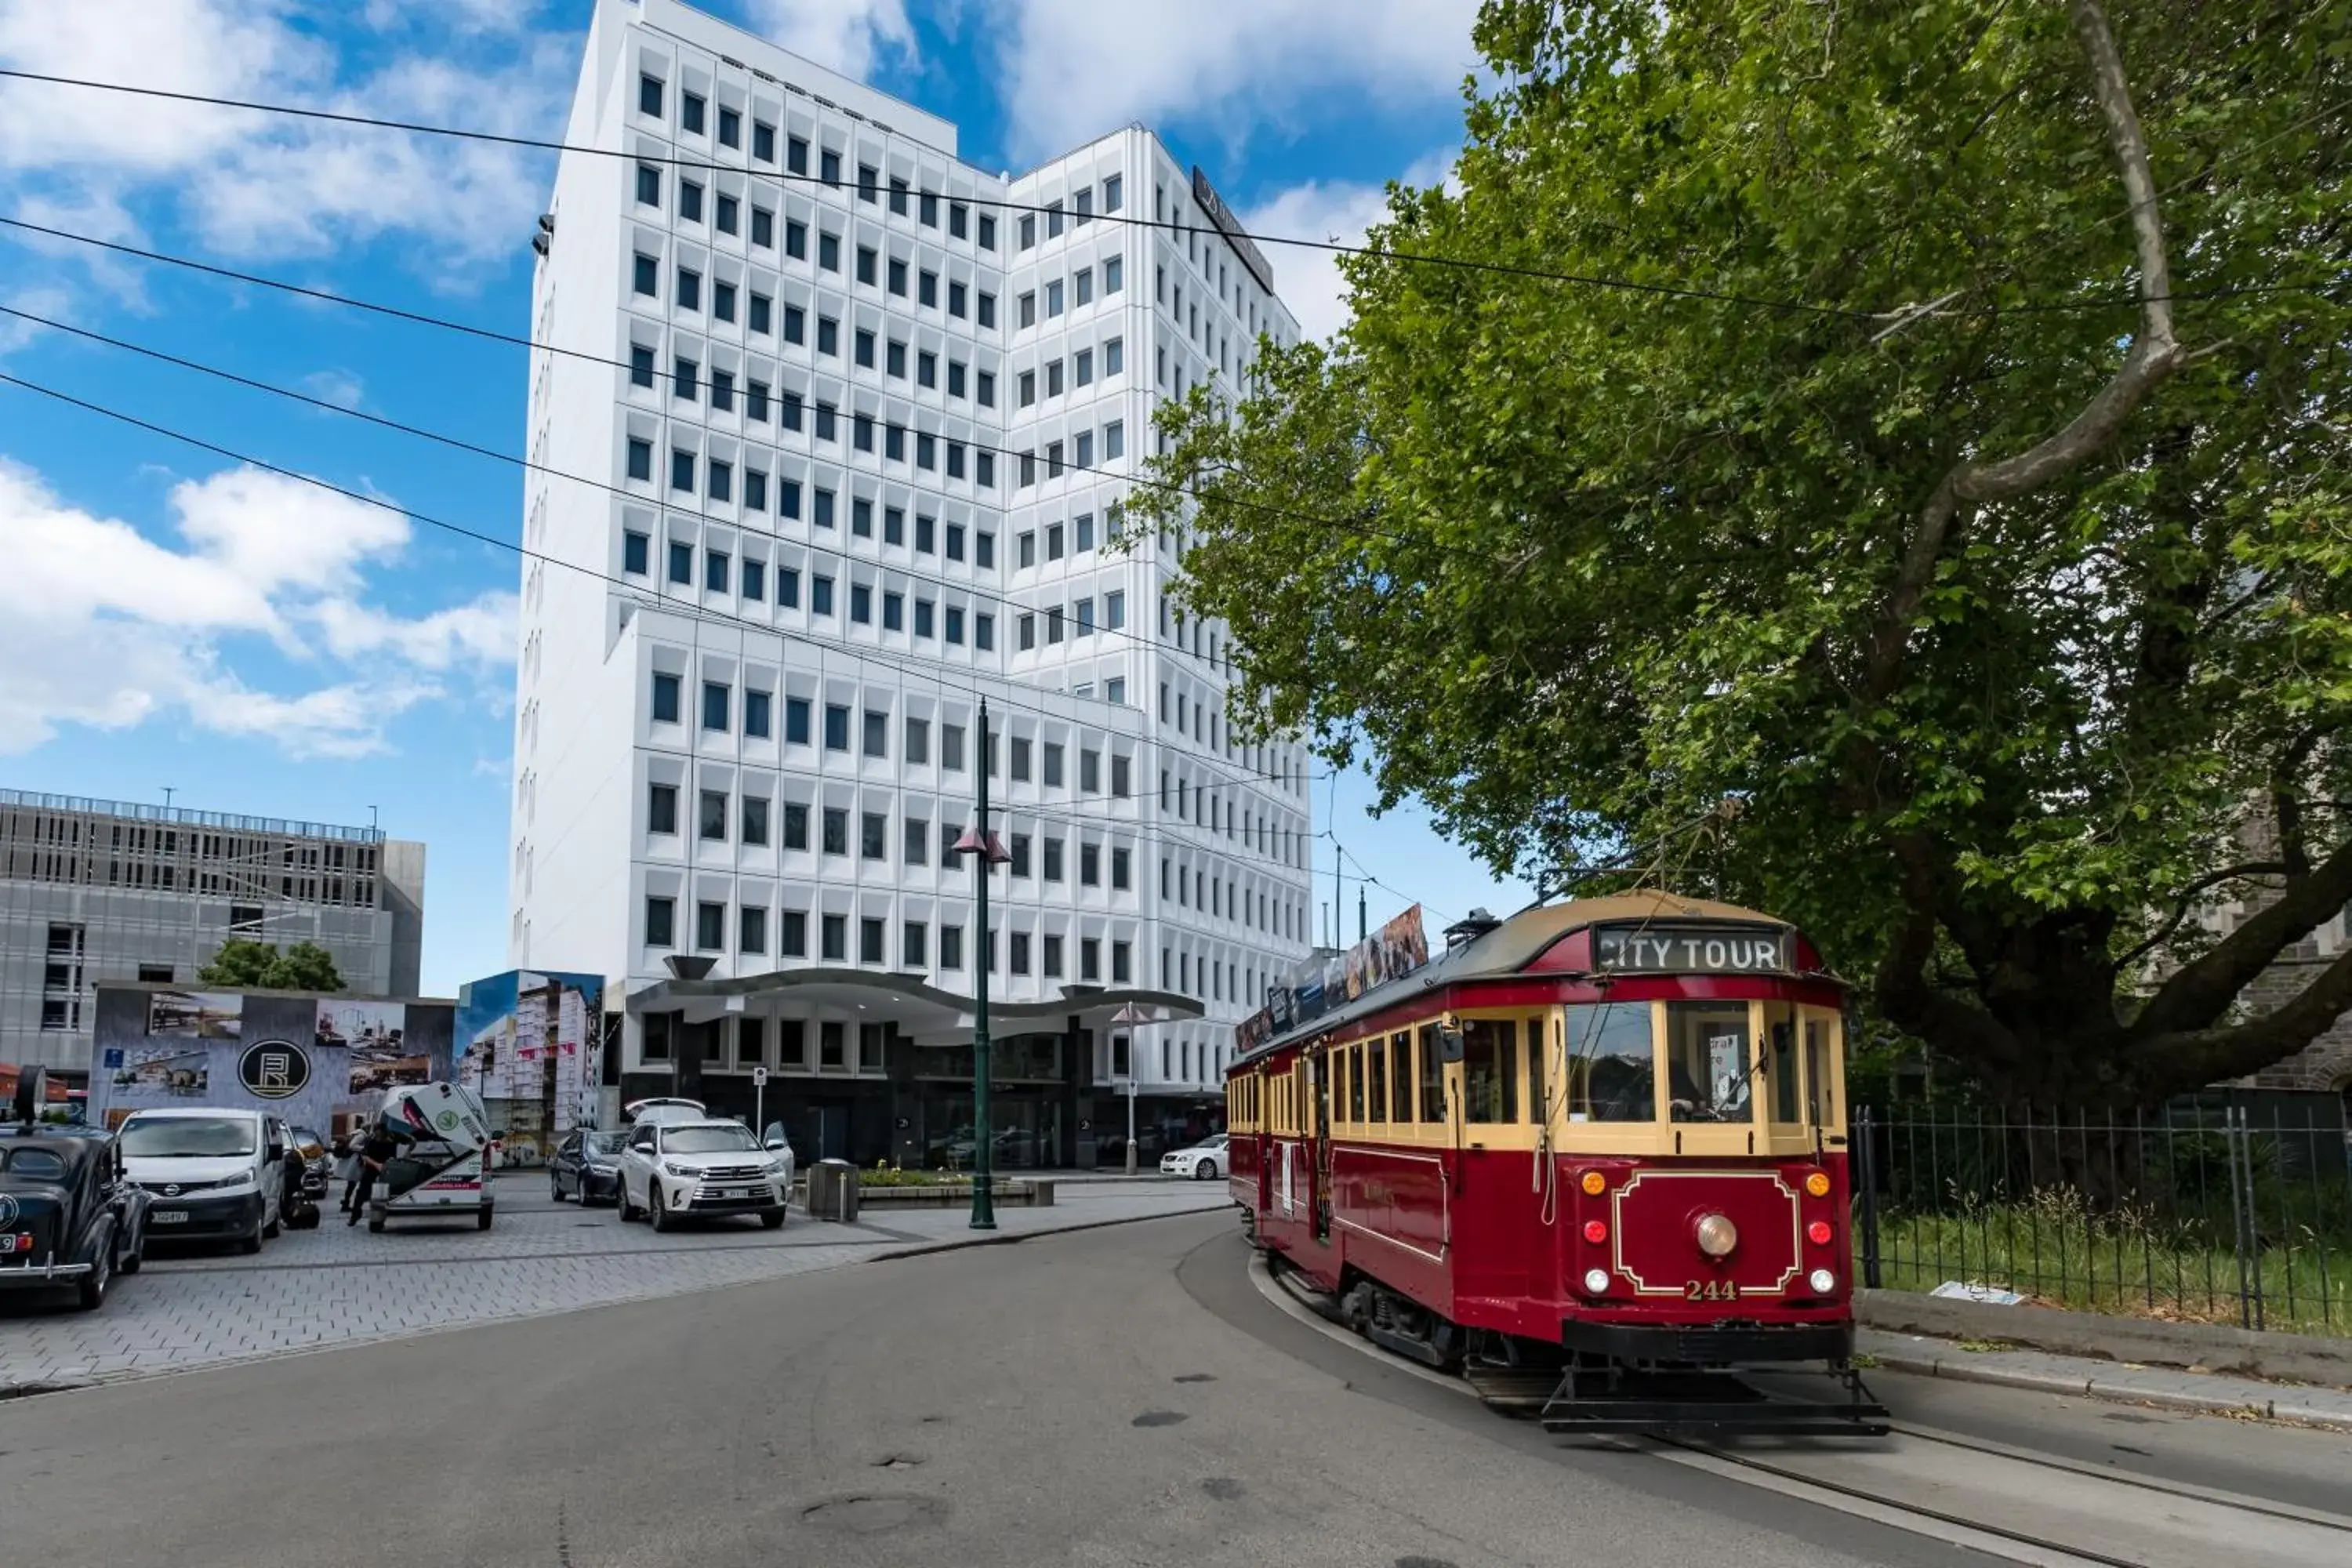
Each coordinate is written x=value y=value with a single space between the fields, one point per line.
x=709 y=1141
x=605 y=1142
x=167 y=1137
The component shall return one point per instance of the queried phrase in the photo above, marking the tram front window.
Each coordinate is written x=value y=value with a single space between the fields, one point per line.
x=1709 y=1061
x=1611 y=1072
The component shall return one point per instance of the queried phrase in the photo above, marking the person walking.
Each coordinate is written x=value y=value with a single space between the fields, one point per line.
x=376 y=1151
x=347 y=1166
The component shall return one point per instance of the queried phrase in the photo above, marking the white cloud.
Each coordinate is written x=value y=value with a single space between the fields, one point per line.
x=1071 y=73
x=102 y=625
x=342 y=388
x=846 y=36
x=254 y=185
x=1309 y=280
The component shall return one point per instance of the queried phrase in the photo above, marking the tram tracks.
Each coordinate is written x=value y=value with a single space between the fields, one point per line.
x=2019 y=1505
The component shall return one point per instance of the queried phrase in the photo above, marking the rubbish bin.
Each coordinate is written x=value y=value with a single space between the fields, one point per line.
x=832 y=1191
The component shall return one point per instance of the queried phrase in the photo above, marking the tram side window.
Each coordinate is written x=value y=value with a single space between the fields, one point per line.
x=1539 y=1110
x=1611 y=1076
x=1709 y=1058
x=1356 y=1083
x=1401 y=1076
x=1490 y=1069
x=1433 y=1076
x=1820 y=1072
x=1781 y=1059
x=1376 y=1080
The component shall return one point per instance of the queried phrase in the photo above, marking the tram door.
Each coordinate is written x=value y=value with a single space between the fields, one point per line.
x=1318 y=1110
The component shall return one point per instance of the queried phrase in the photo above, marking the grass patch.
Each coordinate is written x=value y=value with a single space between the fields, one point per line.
x=2056 y=1250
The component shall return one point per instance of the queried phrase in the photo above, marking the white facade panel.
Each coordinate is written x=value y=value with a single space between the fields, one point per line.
x=862 y=438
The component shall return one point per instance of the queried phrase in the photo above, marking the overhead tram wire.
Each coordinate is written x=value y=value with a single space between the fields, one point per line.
x=492 y=334
x=458 y=443
x=938 y=671
x=1326 y=247
x=1208 y=230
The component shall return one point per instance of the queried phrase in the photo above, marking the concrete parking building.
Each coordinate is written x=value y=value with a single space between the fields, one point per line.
x=95 y=890
x=858 y=417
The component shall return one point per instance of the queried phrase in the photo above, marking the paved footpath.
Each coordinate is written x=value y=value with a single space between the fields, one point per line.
x=339 y=1285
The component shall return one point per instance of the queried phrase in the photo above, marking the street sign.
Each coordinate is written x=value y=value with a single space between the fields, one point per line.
x=759 y=1078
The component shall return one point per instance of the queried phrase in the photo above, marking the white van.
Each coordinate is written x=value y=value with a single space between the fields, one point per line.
x=213 y=1173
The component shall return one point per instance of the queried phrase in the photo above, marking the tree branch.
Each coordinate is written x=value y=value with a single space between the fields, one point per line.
x=2189 y=901
x=2193 y=1057
x=2201 y=990
x=2154 y=356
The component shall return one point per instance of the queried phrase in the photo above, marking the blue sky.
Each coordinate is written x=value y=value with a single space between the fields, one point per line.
x=169 y=618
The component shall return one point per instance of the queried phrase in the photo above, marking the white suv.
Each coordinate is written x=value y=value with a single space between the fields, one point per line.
x=679 y=1170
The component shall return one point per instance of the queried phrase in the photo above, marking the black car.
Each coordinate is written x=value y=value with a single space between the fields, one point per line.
x=67 y=1217
x=587 y=1165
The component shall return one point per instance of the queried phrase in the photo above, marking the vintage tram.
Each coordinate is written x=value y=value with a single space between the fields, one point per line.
x=1598 y=1148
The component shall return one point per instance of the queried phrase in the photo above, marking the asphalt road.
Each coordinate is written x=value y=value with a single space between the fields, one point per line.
x=1121 y=1396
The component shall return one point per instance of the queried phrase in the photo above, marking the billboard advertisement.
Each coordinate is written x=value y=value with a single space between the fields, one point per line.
x=529 y=1045
x=1326 y=981
x=320 y=1062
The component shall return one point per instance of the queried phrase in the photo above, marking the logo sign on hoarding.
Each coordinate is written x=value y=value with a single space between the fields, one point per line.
x=1690 y=950
x=274 y=1069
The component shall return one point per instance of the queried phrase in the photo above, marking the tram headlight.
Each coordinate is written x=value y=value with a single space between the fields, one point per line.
x=1596 y=1281
x=1818 y=1183
x=1717 y=1235
x=1593 y=1182
x=1822 y=1281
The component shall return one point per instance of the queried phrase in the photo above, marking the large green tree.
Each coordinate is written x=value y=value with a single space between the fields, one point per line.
x=305 y=966
x=1883 y=463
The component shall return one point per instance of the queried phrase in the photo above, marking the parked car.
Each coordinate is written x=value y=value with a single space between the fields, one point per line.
x=1204 y=1161
x=677 y=1170
x=68 y=1215
x=645 y=1113
x=213 y=1173
x=587 y=1165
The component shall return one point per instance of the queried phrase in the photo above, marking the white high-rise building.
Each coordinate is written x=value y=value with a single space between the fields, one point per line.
x=834 y=427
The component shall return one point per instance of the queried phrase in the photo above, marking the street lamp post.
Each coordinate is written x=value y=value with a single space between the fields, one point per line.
x=1134 y=1017
x=978 y=840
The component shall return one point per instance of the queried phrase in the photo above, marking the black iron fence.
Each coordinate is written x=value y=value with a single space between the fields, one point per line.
x=2204 y=1212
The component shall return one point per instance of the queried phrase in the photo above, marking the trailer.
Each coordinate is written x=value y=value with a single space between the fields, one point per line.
x=439 y=1171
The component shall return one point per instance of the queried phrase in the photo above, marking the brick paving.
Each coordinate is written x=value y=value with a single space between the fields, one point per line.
x=339 y=1285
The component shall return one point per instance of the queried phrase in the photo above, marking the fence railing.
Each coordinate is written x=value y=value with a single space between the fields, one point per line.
x=2212 y=1214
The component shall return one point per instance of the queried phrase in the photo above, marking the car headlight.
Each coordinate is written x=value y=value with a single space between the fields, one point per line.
x=682 y=1171
x=231 y=1186
x=599 y=1169
x=778 y=1167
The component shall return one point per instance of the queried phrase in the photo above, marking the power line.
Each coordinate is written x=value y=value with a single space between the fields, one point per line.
x=904 y=666
x=492 y=334
x=1328 y=247
x=458 y=443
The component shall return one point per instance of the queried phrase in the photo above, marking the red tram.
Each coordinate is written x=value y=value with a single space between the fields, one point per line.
x=1598 y=1148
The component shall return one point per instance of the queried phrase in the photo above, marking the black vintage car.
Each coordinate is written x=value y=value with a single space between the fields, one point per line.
x=67 y=1217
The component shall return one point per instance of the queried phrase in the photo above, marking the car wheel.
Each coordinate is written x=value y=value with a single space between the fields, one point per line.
x=249 y=1244
x=1205 y=1170
x=555 y=1188
x=375 y=1225
x=91 y=1288
x=621 y=1204
x=275 y=1228
x=482 y=1220
x=130 y=1264
x=657 y=1209
x=772 y=1221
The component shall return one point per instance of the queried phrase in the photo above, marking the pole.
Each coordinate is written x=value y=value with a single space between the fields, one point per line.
x=983 y=1202
x=1361 y=917
x=758 y=1107
x=1130 y=1102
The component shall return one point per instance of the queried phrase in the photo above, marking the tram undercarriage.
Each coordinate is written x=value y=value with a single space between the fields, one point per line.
x=1602 y=1389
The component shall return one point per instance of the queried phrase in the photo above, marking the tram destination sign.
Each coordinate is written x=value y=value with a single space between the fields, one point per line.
x=1690 y=950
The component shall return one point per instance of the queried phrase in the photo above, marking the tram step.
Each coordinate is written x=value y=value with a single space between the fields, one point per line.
x=1512 y=1388
x=1712 y=1404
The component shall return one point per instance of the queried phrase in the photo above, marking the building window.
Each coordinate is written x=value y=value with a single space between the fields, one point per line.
x=873 y=836
x=710 y=927
x=661 y=808
x=950 y=947
x=646 y=278
x=793 y=942
x=753 y=938
x=869 y=950
x=836 y=727
x=1121 y=868
x=835 y=935
x=836 y=831
x=641 y=459
x=1020 y=945
x=712 y=823
x=755 y=820
x=690 y=113
x=796 y=721
x=635 y=549
x=665 y=695
x=661 y=921
x=756 y=704
x=717 y=702
x=795 y=825
x=649 y=95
